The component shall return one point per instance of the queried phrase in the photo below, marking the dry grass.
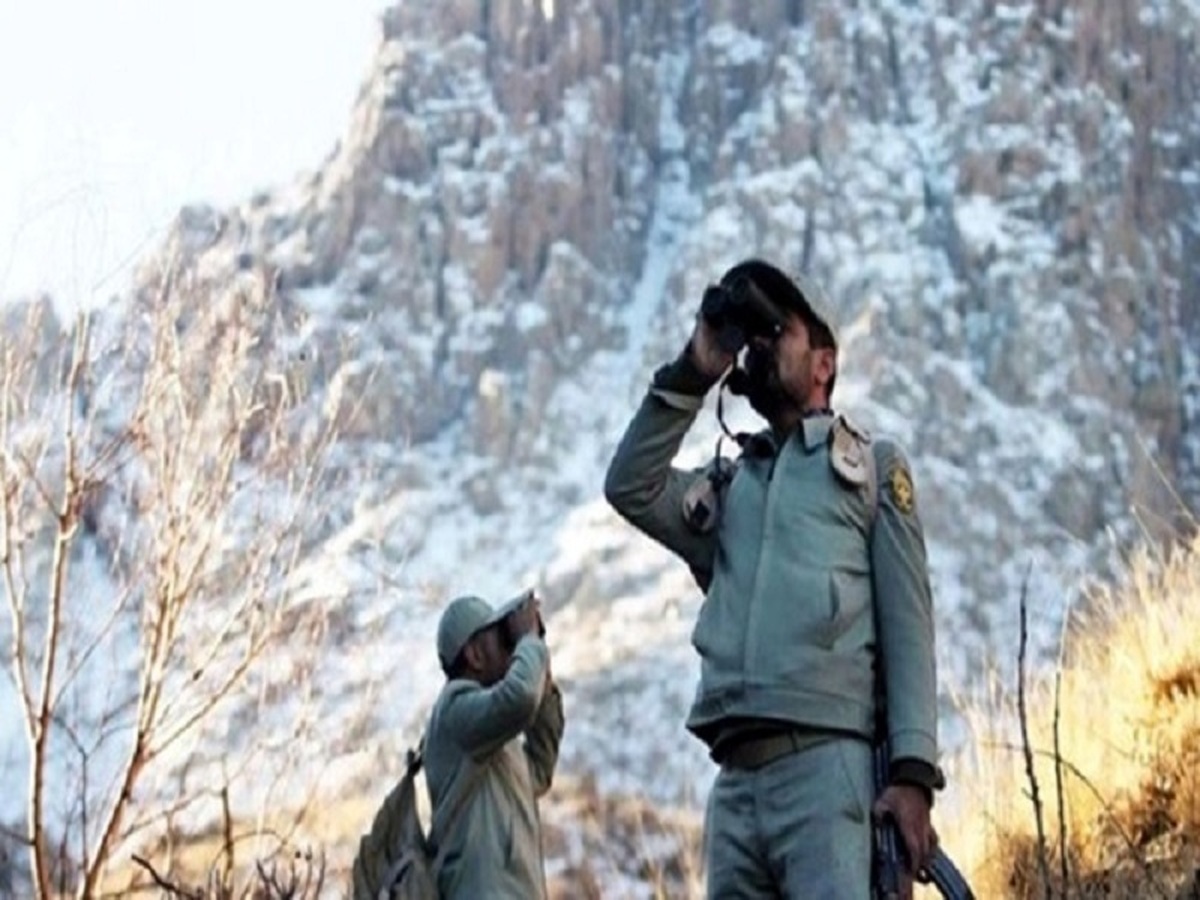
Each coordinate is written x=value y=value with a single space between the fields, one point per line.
x=1115 y=739
x=619 y=846
x=597 y=846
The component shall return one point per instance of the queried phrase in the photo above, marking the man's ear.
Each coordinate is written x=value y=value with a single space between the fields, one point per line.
x=473 y=654
x=824 y=365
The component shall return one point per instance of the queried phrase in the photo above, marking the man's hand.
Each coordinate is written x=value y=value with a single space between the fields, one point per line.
x=909 y=809
x=525 y=619
x=707 y=355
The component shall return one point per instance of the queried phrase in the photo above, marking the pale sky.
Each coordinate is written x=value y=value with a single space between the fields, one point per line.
x=115 y=113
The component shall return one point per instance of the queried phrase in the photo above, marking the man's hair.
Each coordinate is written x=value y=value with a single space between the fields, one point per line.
x=458 y=668
x=821 y=338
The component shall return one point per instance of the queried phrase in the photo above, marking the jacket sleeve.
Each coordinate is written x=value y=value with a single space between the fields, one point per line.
x=642 y=485
x=482 y=720
x=904 y=614
x=542 y=739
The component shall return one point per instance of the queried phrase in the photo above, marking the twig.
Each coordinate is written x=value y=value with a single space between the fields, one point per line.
x=1063 y=862
x=227 y=837
x=171 y=888
x=1043 y=864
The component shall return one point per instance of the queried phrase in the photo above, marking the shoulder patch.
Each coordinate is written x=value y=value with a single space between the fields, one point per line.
x=900 y=488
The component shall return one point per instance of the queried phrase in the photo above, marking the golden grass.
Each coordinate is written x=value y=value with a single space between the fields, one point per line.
x=1115 y=738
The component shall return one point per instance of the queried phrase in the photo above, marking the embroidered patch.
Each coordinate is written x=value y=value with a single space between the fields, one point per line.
x=900 y=487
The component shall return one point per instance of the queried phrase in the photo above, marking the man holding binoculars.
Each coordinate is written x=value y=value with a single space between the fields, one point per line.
x=811 y=554
x=491 y=748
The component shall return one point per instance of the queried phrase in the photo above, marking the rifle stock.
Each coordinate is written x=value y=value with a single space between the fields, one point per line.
x=890 y=864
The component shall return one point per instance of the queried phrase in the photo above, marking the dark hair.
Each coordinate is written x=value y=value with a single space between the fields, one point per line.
x=458 y=668
x=821 y=338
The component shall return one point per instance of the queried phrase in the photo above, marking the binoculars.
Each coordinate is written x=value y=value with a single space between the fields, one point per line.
x=739 y=311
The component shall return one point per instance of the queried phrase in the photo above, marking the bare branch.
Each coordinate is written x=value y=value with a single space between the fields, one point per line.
x=171 y=888
x=102 y=634
x=1043 y=864
x=207 y=482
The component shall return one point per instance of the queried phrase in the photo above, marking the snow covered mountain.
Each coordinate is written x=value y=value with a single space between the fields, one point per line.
x=515 y=230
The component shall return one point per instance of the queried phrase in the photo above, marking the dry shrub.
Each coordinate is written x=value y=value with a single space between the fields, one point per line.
x=1115 y=738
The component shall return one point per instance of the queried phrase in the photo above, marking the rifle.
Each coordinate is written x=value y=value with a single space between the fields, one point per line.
x=890 y=855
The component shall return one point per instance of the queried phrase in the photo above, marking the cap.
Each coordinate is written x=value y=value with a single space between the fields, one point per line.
x=464 y=618
x=797 y=293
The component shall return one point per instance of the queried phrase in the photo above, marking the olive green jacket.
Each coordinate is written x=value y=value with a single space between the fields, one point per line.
x=792 y=567
x=500 y=745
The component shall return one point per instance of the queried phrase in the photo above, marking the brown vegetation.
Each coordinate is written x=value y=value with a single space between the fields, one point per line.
x=1114 y=754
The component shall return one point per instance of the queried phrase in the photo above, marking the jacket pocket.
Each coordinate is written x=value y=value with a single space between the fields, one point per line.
x=849 y=601
x=797 y=617
x=854 y=760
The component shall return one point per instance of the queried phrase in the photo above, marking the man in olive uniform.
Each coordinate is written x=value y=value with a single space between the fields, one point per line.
x=800 y=558
x=490 y=749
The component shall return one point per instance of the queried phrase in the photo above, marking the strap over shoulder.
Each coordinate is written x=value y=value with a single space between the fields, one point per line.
x=414 y=757
x=702 y=499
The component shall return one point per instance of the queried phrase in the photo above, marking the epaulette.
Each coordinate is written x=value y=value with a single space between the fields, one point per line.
x=849 y=450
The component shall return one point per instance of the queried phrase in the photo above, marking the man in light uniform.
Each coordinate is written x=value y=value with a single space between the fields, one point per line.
x=491 y=748
x=799 y=559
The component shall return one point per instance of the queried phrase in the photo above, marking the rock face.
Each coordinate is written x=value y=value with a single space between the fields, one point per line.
x=530 y=196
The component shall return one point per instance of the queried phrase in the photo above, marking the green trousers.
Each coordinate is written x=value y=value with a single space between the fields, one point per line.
x=798 y=827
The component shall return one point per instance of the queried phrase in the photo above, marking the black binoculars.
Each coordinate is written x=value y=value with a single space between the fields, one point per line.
x=739 y=311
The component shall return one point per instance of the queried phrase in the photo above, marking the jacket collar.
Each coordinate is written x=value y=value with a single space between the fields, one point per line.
x=813 y=430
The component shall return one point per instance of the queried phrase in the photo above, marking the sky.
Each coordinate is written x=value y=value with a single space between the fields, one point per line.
x=116 y=113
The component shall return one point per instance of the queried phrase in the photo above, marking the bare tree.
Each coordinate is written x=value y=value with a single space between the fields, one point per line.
x=160 y=485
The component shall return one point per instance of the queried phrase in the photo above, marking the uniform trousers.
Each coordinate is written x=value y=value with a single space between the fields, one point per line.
x=798 y=827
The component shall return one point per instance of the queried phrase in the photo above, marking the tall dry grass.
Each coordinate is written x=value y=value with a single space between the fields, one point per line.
x=1110 y=750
